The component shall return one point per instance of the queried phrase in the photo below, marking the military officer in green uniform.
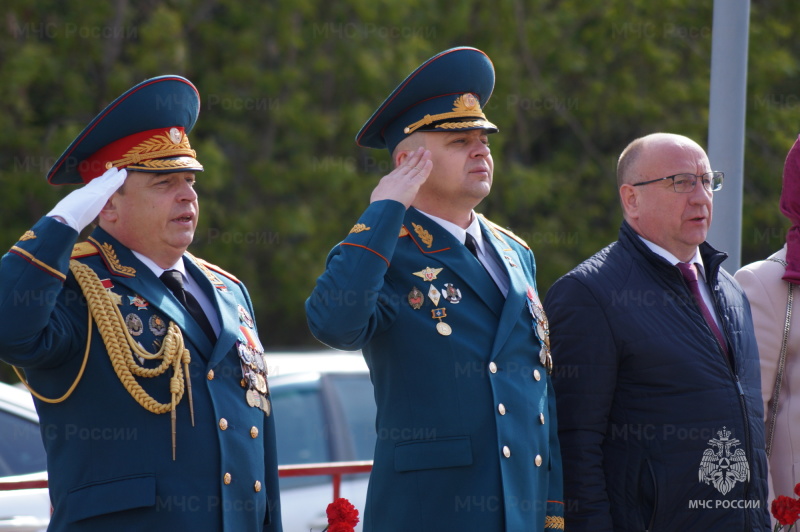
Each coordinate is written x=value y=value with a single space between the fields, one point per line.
x=443 y=304
x=144 y=361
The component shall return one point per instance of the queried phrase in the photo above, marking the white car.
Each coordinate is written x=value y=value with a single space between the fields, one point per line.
x=22 y=458
x=324 y=412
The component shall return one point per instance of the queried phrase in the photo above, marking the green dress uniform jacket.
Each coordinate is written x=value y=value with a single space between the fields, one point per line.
x=466 y=421
x=110 y=461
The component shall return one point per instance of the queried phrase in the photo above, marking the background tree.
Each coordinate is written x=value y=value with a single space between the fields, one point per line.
x=285 y=86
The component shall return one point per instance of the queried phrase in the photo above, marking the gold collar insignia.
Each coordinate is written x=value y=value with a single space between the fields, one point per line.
x=359 y=228
x=424 y=235
x=111 y=260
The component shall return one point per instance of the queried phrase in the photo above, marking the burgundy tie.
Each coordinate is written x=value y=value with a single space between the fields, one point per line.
x=690 y=275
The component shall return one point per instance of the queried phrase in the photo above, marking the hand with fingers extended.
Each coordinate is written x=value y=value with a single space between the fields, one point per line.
x=404 y=181
x=81 y=206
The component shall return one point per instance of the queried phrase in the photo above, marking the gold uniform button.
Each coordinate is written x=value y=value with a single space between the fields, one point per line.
x=538 y=460
x=506 y=451
x=257 y=486
x=537 y=375
x=226 y=479
x=210 y=375
x=502 y=409
x=492 y=367
x=541 y=419
x=223 y=423
x=253 y=432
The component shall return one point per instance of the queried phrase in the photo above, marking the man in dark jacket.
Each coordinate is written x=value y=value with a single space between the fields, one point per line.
x=657 y=375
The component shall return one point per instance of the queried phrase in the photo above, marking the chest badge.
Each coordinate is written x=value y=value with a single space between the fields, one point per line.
x=139 y=302
x=245 y=317
x=416 y=298
x=451 y=293
x=433 y=293
x=441 y=327
x=429 y=274
x=134 y=324
x=157 y=325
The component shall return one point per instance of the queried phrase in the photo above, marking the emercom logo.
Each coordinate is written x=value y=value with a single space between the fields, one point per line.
x=721 y=465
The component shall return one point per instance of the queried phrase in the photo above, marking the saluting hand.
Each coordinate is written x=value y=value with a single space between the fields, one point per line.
x=404 y=181
x=81 y=206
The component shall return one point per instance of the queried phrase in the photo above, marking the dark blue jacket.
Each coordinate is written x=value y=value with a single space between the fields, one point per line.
x=659 y=431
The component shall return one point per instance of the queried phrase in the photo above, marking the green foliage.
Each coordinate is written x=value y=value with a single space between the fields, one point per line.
x=285 y=86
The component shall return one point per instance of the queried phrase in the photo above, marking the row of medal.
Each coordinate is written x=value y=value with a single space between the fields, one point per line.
x=449 y=293
x=251 y=352
x=254 y=365
x=453 y=295
x=134 y=323
x=542 y=328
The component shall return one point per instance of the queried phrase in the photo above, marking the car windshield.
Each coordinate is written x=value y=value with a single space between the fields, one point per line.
x=325 y=419
x=301 y=427
x=358 y=408
x=21 y=449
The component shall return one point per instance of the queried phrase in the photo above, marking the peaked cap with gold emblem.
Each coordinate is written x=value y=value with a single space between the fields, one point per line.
x=446 y=93
x=145 y=129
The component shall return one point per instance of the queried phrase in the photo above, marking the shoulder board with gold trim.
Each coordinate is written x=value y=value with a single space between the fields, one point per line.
x=505 y=231
x=83 y=249
x=217 y=269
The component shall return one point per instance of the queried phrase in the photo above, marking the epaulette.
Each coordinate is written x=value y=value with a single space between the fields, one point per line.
x=505 y=231
x=217 y=269
x=83 y=249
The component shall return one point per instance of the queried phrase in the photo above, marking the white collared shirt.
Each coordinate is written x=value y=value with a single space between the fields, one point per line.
x=189 y=284
x=705 y=290
x=489 y=261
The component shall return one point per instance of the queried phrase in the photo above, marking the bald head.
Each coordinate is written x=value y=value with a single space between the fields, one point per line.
x=675 y=221
x=638 y=158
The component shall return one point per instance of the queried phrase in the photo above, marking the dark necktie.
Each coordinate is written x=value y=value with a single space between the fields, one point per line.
x=472 y=245
x=690 y=275
x=174 y=281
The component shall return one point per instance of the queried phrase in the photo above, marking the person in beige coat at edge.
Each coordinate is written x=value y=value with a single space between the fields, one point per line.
x=766 y=284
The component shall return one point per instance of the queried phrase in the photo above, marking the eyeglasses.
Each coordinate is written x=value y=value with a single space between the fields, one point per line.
x=684 y=183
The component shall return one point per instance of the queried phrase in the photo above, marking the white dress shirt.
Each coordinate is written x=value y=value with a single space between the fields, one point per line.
x=489 y=260
x=190 y=285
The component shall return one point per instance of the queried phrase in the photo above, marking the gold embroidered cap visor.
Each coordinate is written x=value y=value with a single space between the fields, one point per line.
x=446 y=93
x=145 y=129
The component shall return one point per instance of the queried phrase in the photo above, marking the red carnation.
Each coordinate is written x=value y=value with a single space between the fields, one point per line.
x=786 y=510
x=797 y=489
x=342 y=516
